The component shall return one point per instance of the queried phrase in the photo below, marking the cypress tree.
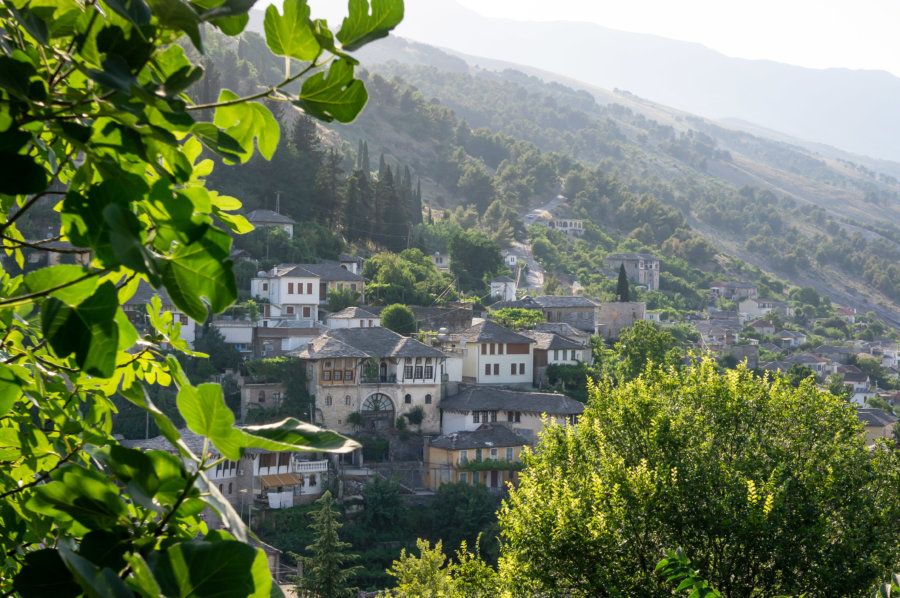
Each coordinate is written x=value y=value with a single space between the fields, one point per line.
x=622 y=286
x=325 y=573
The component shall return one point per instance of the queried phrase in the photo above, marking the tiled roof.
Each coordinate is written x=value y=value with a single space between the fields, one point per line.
x=548 y=341
x=561 y=328
x=331 y=271
x=488 y=398
x=352 y=312
x=365 y=342
x=269 y=217
x=875 y=417
x=630 y=256
x=145 y=293
x=564 y=301
x=491 y=332
x=485 y=436
x=502 y=279
x=523 y=303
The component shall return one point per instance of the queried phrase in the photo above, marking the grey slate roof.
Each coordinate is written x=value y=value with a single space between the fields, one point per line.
x=352 y=312
x=328 y=270
x=630 y=256
x=547 y=301
x=488 y=398
x=160 y=443
x=365 y=342
x=875 y=417
x=561 y=328
x=484 y=436
x=502 y=279
x=145 y=293
x=491 y=332
x=269 y=217
x=525 y=302
x=548 y=341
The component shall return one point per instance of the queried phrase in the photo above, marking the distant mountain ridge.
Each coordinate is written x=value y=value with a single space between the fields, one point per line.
x=854 y=110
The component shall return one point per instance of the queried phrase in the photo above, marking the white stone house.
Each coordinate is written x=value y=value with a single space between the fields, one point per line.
x=503 y=287
x=287 y=291
x=353 y=317
x=261 y=218
x=374 y=373
x=494 y=355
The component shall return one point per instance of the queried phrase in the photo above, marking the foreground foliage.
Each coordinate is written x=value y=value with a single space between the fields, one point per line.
x=769 y=489
x=94 y=120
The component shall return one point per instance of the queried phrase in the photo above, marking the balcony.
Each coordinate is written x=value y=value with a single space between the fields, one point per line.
x=386 y=379
x=310 y=466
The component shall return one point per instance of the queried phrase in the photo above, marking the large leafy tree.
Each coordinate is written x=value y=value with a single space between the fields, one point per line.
x=95 y=122
x=768 y=488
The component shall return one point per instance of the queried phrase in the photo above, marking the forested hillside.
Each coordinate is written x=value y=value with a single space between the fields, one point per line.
x=649 y=177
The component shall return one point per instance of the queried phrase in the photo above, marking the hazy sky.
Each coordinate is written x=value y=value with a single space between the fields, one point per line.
x=812 y=33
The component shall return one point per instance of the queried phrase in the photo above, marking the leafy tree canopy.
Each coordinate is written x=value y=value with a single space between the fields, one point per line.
x=517 y=318
x=399 y=318
x=739 y=472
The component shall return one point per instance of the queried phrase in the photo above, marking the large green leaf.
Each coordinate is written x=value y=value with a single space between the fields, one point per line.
x=205 y=412
x=218 y=141
x=136 y=11
x=10 y=388
x=47 y=278
x=200 y=271
x=96 y=582
x=294 y=435
x=211 y=495
x=220 y=569
x=336 y=95
x=89 y=330
x=179 y=15
x=361 y=26
x=83 y=494
x=290 y=34
x=246 y=122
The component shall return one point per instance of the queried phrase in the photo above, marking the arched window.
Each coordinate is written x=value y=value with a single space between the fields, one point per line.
x=328 y=401
x=221 y=489
x=262 y=396
x=428 y=399
x=229 y=487
x=407 y=399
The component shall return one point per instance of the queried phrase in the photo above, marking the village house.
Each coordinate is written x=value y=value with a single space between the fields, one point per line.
x=817 y=364
x=553 y=349
x=754 y=307
x=494 y=355
x=333 y=276
x=353 y=317
x=791 y=338
x=877 y=424
x=570 y=226
x=365 y=378
x=273 y=479
x=260 y=394
x=441 y=261
x=287 y=291
x=521 y=411
x=641 y=268
x=489 y=455
x=615 y=316
x=503 y=287
x=578 y=312
x=263 y=218
x=733 y=290
x=566 y=331
x=763 y=327
x=717 y=336
x=351 y=263
x=846 y=314
x=838 y=353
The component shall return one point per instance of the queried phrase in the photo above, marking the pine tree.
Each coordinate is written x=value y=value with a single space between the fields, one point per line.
x=622 y=293
x=328 y=186
x=358 y=209
x=325 y=573
x=364 y=160
x=304 y=143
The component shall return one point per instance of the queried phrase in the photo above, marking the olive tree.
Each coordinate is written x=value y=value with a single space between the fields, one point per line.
x=99 y=135
x=769 y=489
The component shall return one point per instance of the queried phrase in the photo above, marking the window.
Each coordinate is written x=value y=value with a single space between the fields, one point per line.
x=221 y=488
x=284 y=459
x=347 y=400
x=509 y=416
x=309 y=288
x=276 y=396
x=521 y=369
x=496 y=369
x=429 y=372
x=464 y=477
x=476 y=416
x=509 y=453
x=300 y=288
x=230 y=488
x=267 y=460
x=348 y=375
x=290 y=309
x=517 y=349
x=407 y=372
x=326 y=375
x=495 y=454
x=418 y=371
x=428 y=399
x=512 y=369
x=556 y=355
x=352 y=286
x=476 y=477
x=407 y=399
x=500 y=349
x=290 y=288
x=493 y=417
x=493 y=349
x=262 y=396
x=183 y=319
x=306 y=312
x=370 y=323
x=463 y=456
x=487 y=369
x=559 y=316
x=328 y=401
x=478 y=454
x=338 y=374
x=265 y=286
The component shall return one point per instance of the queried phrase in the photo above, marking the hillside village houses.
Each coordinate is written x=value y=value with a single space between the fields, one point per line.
x=641 y=268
